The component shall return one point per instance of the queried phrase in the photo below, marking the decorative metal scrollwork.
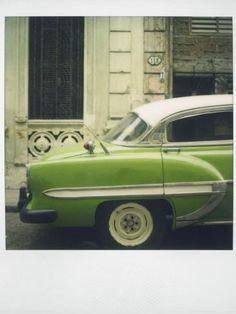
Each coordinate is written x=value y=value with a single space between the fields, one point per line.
x=41 y=142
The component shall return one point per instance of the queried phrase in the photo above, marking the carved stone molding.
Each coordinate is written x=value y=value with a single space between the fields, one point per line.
x=41 y=140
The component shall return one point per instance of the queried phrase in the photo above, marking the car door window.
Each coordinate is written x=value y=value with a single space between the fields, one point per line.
x=204 y=127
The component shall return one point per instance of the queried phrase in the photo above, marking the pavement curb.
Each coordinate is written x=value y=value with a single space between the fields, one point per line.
x=11 y=209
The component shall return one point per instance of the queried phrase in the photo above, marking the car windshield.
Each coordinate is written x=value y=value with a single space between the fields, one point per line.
x=129 y=129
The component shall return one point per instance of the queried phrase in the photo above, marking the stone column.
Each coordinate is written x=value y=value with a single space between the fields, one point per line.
x=16 y=100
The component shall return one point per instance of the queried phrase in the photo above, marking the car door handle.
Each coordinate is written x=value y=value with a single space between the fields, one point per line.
x=171 y=150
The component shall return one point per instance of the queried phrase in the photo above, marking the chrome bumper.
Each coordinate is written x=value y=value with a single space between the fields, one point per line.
x=39 y=216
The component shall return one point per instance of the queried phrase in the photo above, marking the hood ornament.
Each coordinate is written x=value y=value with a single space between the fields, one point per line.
x=89 y=146
x=99 y=141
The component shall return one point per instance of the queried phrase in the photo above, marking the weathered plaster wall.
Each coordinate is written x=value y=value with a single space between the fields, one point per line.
x=16 y=100
x=139 y=53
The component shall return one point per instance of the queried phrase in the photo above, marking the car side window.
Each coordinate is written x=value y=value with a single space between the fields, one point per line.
x=204 y=127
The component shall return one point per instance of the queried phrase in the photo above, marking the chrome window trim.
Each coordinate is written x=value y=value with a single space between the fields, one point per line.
x=156 y=111
x=162 y=125
x=197 y=111
x=192 y=113
x=198 y=143
x=137 y=140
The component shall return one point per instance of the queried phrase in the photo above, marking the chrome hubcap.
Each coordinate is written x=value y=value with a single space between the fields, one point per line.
x=130 y=224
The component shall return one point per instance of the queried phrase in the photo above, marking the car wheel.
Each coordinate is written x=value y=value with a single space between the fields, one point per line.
x=130 y=225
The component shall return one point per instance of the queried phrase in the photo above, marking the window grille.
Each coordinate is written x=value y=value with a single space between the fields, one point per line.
x=56 y=67
x=212 y=25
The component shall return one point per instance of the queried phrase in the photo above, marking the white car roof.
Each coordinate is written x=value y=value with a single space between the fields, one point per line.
x=158 y=110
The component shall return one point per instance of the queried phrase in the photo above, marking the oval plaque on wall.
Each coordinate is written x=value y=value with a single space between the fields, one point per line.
x=155 y=59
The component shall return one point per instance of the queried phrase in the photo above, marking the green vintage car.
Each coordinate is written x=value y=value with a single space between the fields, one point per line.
x=166 y=165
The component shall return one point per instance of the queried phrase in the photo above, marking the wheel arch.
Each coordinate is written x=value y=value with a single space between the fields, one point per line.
x=160 y=205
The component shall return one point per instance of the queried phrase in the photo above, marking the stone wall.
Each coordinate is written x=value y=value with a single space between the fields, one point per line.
x=202 y=53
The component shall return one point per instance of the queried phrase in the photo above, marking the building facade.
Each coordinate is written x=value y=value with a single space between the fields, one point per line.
x=64 y=72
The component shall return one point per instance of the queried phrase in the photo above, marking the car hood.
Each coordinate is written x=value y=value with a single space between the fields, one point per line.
x=78 y=151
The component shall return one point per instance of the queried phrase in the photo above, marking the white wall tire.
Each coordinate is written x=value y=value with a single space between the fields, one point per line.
x=130 y=224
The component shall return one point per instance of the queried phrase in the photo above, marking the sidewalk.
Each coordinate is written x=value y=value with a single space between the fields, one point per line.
x=11 y=199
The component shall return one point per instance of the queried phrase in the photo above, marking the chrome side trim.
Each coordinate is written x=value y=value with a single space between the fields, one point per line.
x=188 y=189
x=209 y=223
x=139 y=191
x=192 y=188
x=142 y=190
x=214 y=200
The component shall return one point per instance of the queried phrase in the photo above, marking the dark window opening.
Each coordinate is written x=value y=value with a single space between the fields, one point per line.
x=188 y=85
x=206 y=127
x=56 y=61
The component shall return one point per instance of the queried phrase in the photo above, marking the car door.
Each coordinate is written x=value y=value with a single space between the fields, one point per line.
x=198 y=165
